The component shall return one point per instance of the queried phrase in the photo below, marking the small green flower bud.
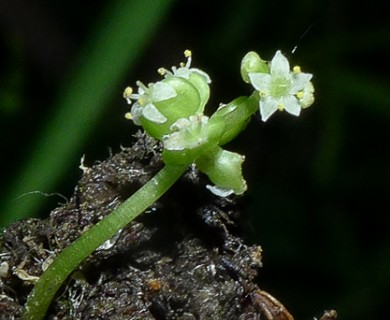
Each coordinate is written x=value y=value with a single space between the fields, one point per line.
x=252 y=63
x=306 y=96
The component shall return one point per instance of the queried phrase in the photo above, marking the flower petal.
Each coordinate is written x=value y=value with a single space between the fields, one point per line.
x=182 y=72
x=268 y=107
x=191 y=133
x=136 y=113
x=161 y=91
x=220 y=192
x=279 y=65
x=291 y=105
x=151 y=113
x=260 y=81
x=174 y=141
x=299 y=81
x=202 y=73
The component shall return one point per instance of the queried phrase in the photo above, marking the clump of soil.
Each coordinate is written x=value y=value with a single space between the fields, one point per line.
x=181 y=259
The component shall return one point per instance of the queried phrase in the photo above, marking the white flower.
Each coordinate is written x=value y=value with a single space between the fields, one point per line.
x=187 y=133
x=282 y=89
x=145 y=99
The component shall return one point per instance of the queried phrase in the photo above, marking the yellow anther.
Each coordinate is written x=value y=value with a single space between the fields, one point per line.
x=162 y=71
x=187 y=53
x=280 y=106
x=297 y=69
x=300 y=94
x=128 y=116
x=182 y=64
x=128 y=92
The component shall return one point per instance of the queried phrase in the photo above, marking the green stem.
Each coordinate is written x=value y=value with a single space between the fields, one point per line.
x=52 y=279
x=236 y=115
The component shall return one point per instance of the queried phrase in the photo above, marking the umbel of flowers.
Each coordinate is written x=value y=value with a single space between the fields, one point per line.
x=172 y=111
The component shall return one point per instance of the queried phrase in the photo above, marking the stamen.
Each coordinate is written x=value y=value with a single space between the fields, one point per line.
x=128 y=116
x=127 y=94
x=188 y=55
x=281 y=106
x=164 y=72
x=300 y=94
x=297 y=69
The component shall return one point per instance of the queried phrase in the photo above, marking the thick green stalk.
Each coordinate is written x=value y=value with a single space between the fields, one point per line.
x=51 y=280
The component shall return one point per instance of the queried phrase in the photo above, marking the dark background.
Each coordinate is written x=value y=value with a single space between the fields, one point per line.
x=318 y=184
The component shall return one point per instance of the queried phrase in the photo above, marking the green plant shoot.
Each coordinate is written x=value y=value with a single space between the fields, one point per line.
x=172 y=111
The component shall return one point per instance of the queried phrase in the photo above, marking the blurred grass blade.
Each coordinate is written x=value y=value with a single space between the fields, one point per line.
x=119 y=38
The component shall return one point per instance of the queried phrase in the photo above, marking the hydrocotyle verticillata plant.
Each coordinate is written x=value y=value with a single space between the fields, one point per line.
x=172 y=111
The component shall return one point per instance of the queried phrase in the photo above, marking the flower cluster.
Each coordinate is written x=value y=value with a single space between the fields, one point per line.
x=172 y=111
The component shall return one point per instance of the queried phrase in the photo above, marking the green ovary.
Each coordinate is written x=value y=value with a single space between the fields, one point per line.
x=280 y=87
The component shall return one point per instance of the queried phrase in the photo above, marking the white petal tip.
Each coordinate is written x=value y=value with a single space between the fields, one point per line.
x=220 y=192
